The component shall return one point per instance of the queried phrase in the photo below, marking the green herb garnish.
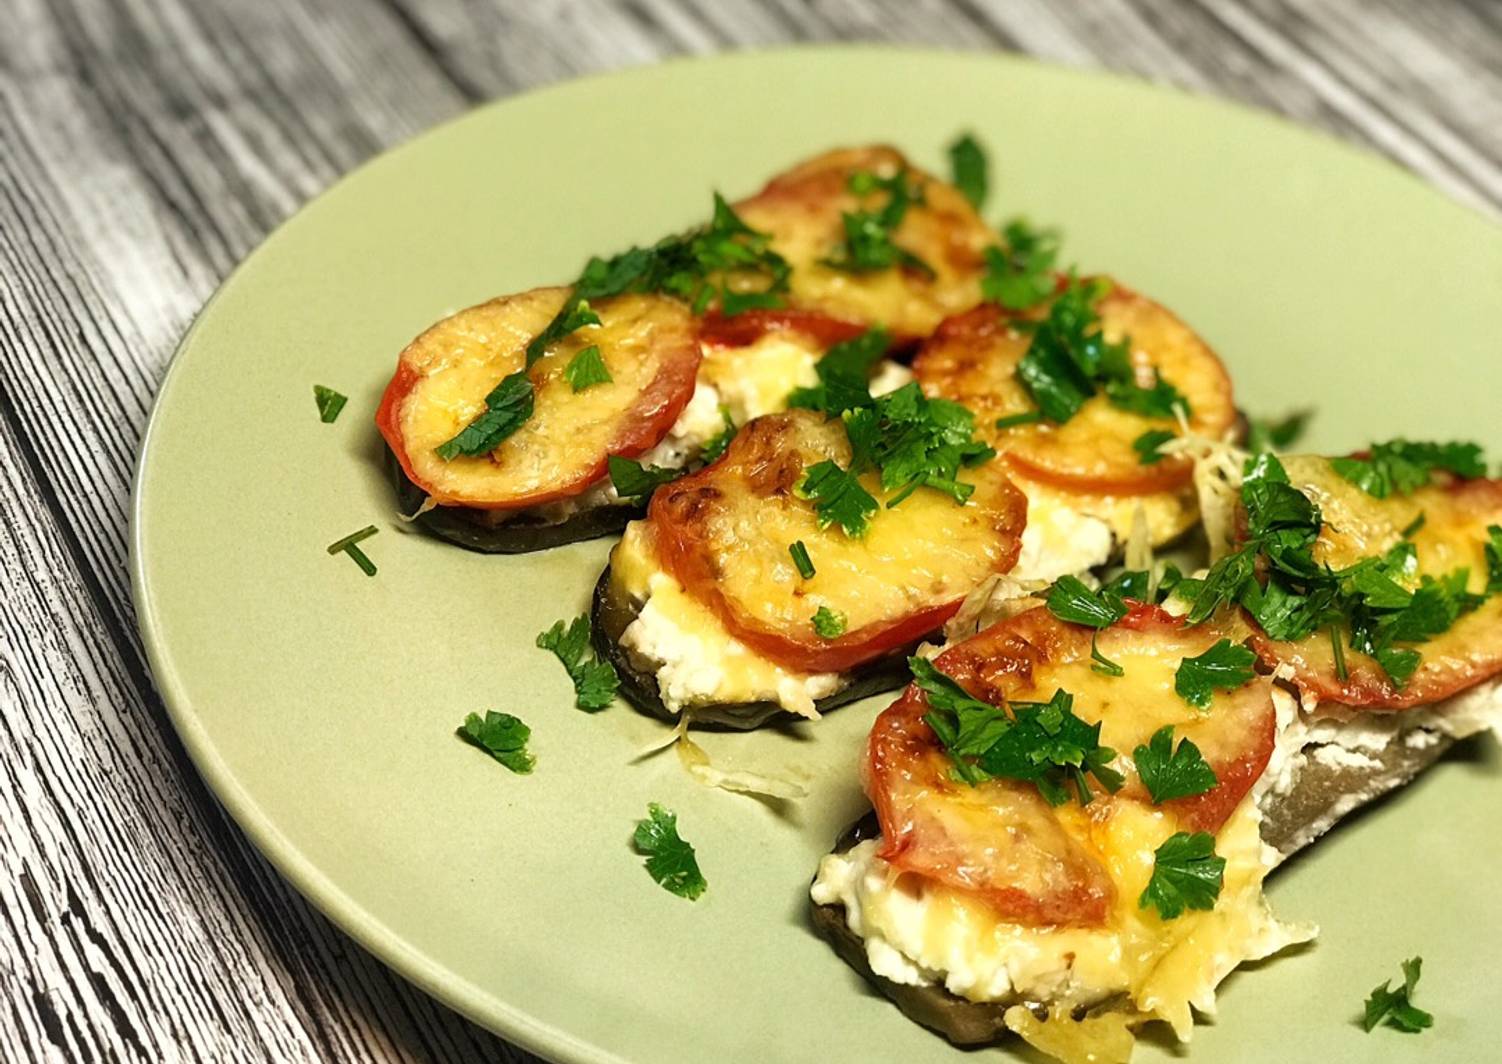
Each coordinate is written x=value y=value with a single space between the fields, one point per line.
x=1099 y=662
x=1028 y=417
x=633 y=480
x=348 y=545
x=594 y=681
x=838 y=498
x=1395 y=1007
x=844 y=375
x=1186 y=875
x=1042 y=743
x=868 y=243
x=916 y=442
x=1403 y=466
x=502 y=736
x=717 y=444
x=828 y=623
x=670 y=860
x=967 y=169
x=1168 y=772
x=1070 y=600
x=1224 y=666
x=1493 y=550
x=1148 y=443
x=507 y=408
x=1021 y=273
x=329 y=403
x=1276 y=434
x=801 y=560
x=586 y=368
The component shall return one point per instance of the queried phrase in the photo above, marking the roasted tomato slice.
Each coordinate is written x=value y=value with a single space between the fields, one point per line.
x=973 y=359
x=1453 y=536
x=649 y=345
x=803 y=210
x=1035 y=864
x=724 y=534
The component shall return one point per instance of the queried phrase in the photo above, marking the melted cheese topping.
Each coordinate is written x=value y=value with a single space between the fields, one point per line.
x=685 y=645
x=1169 y=514
x=922 y=933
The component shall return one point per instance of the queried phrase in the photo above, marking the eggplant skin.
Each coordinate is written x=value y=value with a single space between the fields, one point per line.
x=1292 y=821
x=612 y=611
x=521 y=535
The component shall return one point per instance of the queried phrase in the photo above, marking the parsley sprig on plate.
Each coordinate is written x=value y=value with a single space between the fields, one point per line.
x=1395 y=1008
x=869 y=230
x=1186 y=875
x=671 y=861
x=595 y=681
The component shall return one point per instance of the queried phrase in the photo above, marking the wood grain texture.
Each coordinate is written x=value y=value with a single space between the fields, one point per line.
x=145 y=147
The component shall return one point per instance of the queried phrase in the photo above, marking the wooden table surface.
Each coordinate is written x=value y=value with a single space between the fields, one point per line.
x=145 y=147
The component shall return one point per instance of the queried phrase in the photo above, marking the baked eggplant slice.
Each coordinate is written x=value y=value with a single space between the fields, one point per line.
x=983 y=911
x=706 y=597
x=548 y=477
x=1090 y=463
x=926 y=265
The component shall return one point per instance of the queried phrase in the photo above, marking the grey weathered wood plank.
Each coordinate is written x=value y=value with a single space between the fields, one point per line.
x=145 y=147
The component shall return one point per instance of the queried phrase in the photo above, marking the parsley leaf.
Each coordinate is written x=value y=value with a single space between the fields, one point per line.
x=1099 y=662
x=670 y=860
x=868 y=241
x=1276 y=434
x=844 y=374
x=1148 y=443
x=1493 y=559
x=633 y=480
x=1186 y=875
x=595 y=681
x=502 y=736
x=1403 y=466
x=1395 y=1007
x=507 y=408
x=329 y=403
x=717 y=444
x=1070 y=600
x=1223 y=666
x=586 y=368
x=1020 y=274
x=828 y=623
x=1169 y=772
x=967 y=168
x=838 y=498
x=1043 y=743
x=801 y=561
x=574 y=315
x=916 y=442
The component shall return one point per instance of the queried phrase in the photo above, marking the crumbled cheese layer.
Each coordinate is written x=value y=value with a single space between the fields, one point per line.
x=1060 y=540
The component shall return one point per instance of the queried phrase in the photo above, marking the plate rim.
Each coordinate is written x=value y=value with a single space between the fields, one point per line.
x=371 y=934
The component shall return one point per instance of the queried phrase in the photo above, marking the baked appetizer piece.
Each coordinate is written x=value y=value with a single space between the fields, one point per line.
x=873 y=240
x=1078 y=391
x=1024 y=874
x=790 y=577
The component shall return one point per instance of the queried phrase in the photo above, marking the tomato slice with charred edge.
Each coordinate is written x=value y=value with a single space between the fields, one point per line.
x=747 y=327
x=999 y=839
x=724 y=534
x=1356 y=525
x=972 y=358
x=649 y=345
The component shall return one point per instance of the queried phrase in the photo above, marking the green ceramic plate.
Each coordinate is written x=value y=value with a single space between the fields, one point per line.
x=320 y=704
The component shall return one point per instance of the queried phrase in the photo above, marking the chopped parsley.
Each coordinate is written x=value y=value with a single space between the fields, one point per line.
x=502 y=736
x=595 y=681
x=868 y=243
x=670 y=860
x=1070 y=600
x=633 y=480
x=1148 y=443
x=1027 y=417
x=1403 y=466
x=838 y=498
x=801 y=560
x=717 y=444
x=1170 y=772
x=1369 y=602
x=1276 y=434
x=1042 y=743
x=1069 y=360
x=1395 y=1008
x=844 y=375
x=507 y=408
x=1224 y=666
x=967 y=169
x=1099 y=662
x=586 y=369
x=1138 y=584
x=830 y=624
x=1021 y=272
x=916 y=442
x=349 y=545
x=329 y=403
x=1186 y=875
x=1493 y=559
